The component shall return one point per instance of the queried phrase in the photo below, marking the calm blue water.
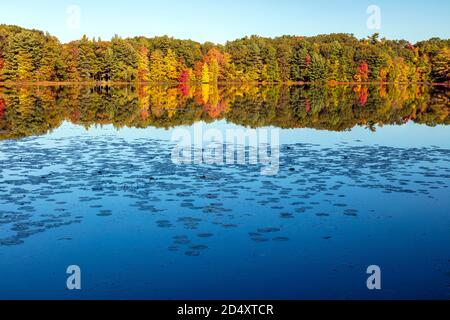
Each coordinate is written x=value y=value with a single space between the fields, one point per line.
x=139 y=226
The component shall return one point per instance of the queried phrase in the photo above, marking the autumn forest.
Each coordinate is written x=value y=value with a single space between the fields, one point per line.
x=35 y=56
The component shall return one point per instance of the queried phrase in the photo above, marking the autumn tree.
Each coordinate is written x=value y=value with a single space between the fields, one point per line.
x=185 y=76
x=3 y=40
x=157 y=71
x=362 y=72
x=143 y=65
x=214 y=71
x=205 y=74
x=24 y=66
x=68 y=71
x=441 y=66
x=170 y=65
x=2 y=107
x=2 y=64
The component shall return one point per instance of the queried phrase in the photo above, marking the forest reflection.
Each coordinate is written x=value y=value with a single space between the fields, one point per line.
x=35 y=110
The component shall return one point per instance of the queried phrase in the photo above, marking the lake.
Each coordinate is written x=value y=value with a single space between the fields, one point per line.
x=225 y=192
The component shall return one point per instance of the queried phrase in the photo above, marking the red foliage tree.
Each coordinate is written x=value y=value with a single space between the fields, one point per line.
x=183 y=81
x=2 y=107
x=308 y=60
x=184 y=77
x=363 y=96
x=184 y=89
x=307 y=106
x=362 y=73
x=410 y=46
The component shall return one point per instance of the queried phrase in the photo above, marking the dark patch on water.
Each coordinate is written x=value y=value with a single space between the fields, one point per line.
x=109 y=174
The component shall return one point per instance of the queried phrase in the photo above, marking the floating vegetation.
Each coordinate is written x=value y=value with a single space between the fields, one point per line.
x=269 y=230
x=164 y=224
x=281 y=239
x=286 y=215
x=351 y=212
x=198 y=247
x=205 y=235
x=260 y=239
x=322 y=214
x=138 y=179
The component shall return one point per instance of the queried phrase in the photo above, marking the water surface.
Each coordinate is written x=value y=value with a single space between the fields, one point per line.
x=87 y=178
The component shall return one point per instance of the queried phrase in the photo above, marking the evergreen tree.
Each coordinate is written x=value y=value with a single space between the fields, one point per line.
x=271 y=68
x=317 y=68
x=50 y=61
x=86 y=59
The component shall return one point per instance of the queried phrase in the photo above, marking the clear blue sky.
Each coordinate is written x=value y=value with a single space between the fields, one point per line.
x=219 y=21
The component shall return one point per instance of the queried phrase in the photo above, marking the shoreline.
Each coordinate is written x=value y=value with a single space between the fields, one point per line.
x=170 y=84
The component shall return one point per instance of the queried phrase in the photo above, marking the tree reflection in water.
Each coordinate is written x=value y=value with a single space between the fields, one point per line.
x=36 y=110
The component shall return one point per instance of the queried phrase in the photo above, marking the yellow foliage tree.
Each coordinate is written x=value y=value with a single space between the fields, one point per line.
x=205 y=74
x=214 y=71
x=143 y=65
x=171 y=65
x=441 y=65
x=156 y=66
x=24 y=66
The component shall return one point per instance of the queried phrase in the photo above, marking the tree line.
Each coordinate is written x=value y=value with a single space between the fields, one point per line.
x=32 y=55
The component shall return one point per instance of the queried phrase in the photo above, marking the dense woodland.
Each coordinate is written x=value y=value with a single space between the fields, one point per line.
x=30 y=55
x=33 y=110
